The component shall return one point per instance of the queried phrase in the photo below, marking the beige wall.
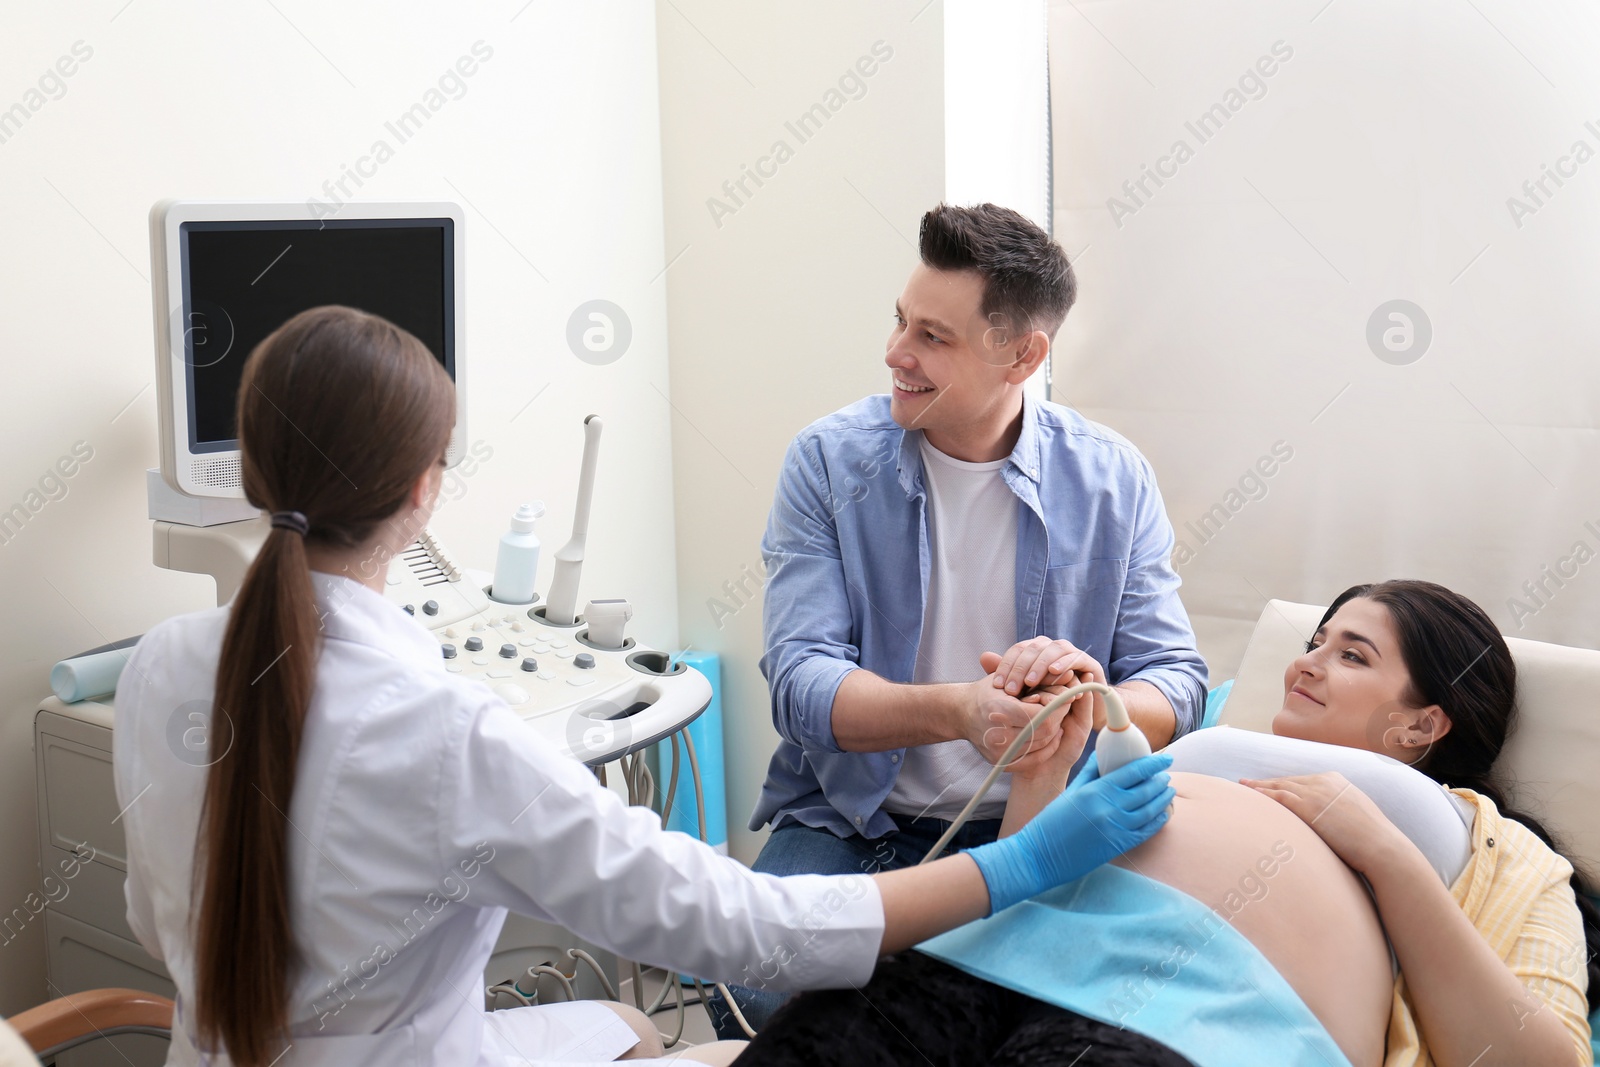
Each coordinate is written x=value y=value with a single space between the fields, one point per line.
x=779 y=314
x=1226 y=311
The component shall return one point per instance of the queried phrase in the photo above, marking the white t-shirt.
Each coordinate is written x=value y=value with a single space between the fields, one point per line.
x=971 y=608
x=1439 y=823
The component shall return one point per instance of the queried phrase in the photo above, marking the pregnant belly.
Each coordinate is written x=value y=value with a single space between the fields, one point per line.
x=1267 y=873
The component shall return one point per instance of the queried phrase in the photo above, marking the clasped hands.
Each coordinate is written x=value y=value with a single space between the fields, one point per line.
x=1015 y=686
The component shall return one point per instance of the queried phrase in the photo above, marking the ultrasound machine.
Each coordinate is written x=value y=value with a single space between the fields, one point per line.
x=224 y=275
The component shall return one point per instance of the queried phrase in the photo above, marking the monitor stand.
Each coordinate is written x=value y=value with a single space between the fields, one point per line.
x=218 y=536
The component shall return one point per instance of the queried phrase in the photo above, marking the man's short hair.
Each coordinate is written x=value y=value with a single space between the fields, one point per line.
x=1027 y=281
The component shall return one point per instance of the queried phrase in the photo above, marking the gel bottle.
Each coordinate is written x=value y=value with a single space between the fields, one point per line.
x=517 y=563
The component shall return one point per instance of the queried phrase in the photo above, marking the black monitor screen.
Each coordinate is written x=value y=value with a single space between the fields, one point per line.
x=242 y=280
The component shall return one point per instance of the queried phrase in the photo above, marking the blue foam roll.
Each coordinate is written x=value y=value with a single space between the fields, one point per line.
x=707 y=734
x=88 y=677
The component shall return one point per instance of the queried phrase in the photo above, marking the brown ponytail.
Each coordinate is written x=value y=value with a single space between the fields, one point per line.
x=340 y=413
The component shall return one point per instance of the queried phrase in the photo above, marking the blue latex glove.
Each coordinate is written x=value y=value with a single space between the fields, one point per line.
x=1089 y=772
x=1078 y=831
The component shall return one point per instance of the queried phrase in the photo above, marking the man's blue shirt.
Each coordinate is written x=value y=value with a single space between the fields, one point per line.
x=847 y=559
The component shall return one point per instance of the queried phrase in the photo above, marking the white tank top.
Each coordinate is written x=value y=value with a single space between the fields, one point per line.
x=1435 y=820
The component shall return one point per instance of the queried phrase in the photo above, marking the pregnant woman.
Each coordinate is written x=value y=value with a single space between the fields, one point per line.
x=1493 y=953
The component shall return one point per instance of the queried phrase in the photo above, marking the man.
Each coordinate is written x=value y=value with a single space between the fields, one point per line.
x=936 y=554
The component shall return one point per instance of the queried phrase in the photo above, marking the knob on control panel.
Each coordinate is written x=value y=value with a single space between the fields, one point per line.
x=474 y=644
x=583 y=661
x=508 y=651
x=449 y=651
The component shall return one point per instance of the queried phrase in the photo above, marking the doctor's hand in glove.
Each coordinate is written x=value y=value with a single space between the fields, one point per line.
x=1096 y=820
x=1072 y=834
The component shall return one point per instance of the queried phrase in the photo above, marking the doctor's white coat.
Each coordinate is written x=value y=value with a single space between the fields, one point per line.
x=424 y=809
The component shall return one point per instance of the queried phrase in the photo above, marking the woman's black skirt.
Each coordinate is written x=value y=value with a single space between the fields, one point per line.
x=919 y=1011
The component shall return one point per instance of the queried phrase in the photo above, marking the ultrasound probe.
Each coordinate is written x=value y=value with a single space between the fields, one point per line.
x=1118 y=744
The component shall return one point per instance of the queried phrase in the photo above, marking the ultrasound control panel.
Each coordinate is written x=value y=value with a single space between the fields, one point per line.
x=592 y=702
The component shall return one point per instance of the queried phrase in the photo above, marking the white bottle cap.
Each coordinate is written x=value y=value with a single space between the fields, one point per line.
x=522 y=521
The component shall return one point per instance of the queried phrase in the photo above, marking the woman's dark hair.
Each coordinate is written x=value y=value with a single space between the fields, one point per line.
x=311 y=397
x=1027 y=280
x=1458 y=660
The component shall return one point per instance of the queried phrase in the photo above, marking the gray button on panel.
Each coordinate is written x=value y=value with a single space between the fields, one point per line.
x=431 y=607
x=583 y=661
x=474 y=644
x=448 y=650
x=530 y=664
x=508 y=651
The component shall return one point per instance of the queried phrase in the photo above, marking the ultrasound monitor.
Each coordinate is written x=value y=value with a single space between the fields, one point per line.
x=225 y=275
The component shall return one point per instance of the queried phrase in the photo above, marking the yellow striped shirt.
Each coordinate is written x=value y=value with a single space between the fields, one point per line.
x=1517 y=893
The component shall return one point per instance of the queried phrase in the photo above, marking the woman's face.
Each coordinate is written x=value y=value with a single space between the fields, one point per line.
x=1350 y=685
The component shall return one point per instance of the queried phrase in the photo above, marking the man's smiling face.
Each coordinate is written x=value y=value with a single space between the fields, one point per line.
x=948 y=369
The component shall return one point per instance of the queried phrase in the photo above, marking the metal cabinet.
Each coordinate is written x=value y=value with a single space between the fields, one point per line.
x=83 y=862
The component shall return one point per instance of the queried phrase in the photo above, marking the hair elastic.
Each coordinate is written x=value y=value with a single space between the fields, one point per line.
x=291 y=520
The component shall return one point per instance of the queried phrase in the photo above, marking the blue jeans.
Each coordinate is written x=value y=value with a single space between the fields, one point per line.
x=799 y=849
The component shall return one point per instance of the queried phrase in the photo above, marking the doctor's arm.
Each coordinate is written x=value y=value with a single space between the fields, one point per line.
x=553 y=843
x=1070 y=837
x=921 y=902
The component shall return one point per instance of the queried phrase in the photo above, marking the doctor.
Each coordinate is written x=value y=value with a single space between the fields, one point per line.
x=326 y=884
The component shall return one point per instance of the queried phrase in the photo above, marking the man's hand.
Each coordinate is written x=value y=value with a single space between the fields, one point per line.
x=1043 y=661
x=1073 y=722
x=991 y=718
x=1068 y=729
